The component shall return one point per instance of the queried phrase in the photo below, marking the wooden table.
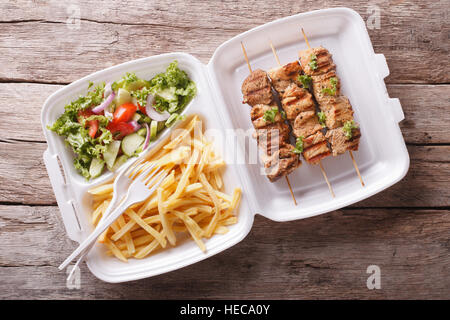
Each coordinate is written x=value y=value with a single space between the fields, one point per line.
x=404 y=230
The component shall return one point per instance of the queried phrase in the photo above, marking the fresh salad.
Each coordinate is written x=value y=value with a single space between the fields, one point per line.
x=118 y=120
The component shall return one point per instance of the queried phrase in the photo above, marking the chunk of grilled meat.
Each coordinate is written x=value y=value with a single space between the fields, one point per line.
x=320 y=65
x=295 y=100
x=326 y=86
x=256 y=88
x=257 y=115
x=300 y=111
x=340 y=143
x=337 y=112
x=278 y=156
x=268 y=133
x=283 y=76
x=315 y=148
x=281 y=163
x=306 y=124
x=272 y=137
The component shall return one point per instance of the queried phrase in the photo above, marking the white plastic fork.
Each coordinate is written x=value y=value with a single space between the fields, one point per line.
x=121 y=184
x=146 y=180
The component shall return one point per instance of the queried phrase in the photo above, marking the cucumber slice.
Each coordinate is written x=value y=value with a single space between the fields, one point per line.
x=153 y=129
x=142 y=132
x=172 y=119
x=96 y=167
x=119 y=162
x=123 y=96
x=111 y=152
x=161 y=125
x=136 y=116
x=131 y=143
x=135 y=85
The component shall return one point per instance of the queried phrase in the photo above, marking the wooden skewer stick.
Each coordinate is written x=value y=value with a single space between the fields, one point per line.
x=320 y=162
x=350 y=151
x=356 y=167
x=250 y=69
x=306 y=38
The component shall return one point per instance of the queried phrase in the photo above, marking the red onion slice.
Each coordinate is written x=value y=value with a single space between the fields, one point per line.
x=136 y=126
x=152 y=112
x=150 y=99
x=98 y=109
x=147 y=137
x=108 y=89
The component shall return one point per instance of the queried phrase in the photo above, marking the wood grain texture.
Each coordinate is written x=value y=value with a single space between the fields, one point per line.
x=426 y=110
x=23 y=178
x=297 y=260
x=415 y=99
x=412 y=34
x=404 y=230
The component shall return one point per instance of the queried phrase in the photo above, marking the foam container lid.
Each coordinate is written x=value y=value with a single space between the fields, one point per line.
x=382 y=161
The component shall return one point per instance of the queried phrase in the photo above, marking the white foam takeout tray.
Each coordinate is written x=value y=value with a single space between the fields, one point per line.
x=382 y=161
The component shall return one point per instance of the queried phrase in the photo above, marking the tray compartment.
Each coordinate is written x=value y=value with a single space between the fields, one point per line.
x=75 y=189
x=382 y=161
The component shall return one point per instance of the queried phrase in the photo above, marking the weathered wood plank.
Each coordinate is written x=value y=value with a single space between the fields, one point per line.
x=23 y=178
x=29 y=99
x=425 y=185
x=27 y=55
x=426 y=110
x=425 y=107
x=320 y=257
x=412 y=34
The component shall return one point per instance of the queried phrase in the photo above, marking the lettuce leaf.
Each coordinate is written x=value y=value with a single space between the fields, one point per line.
x=173 y=89
x=129 y=82
x=77 y=136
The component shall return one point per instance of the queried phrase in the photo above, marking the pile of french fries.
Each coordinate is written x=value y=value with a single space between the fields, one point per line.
x=190 y=199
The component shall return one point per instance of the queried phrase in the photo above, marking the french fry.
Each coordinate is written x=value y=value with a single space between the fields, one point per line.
x=218 y=179
x=127 y=236
x=210 y=190
x=164 y=221
x=221 y=230
x=115 y=250
x=99 y=212
x=102 y=189
x=193 y=228
x=185 y=132
x=147 y=228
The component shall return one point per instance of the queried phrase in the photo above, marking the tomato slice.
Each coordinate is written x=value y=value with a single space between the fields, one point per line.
x=84 y=114
x=92 y=125
x=142 y=109
x=93 y=128
x=124 y=112
x=120 y=129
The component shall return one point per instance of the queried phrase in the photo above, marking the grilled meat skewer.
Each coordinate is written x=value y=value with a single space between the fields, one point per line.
x=299 y=107
x=295 y=102
x=343 y=135
x=271 y=132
